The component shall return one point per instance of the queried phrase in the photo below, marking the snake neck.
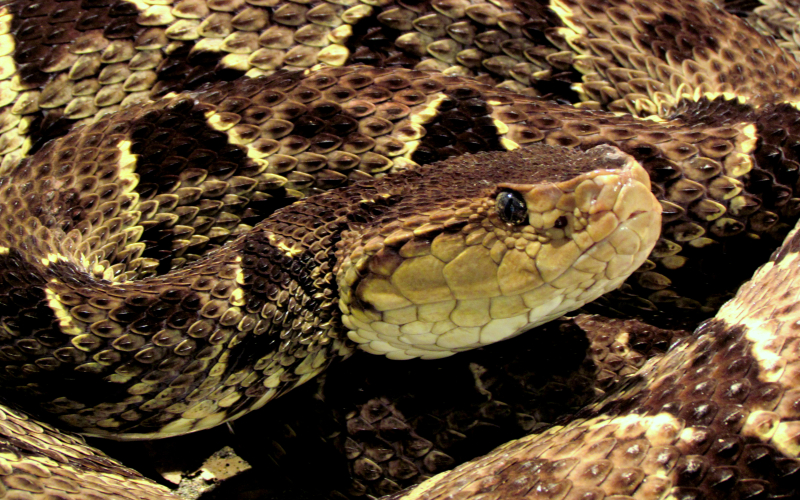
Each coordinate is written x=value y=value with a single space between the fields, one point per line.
x=230 y=332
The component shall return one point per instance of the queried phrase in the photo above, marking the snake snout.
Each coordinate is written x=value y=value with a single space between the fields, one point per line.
x=529 y=250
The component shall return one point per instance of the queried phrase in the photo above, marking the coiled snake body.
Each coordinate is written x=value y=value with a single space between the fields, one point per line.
x=157 y=278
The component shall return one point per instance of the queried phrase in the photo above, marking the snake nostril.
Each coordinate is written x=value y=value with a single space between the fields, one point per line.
x=561 y=222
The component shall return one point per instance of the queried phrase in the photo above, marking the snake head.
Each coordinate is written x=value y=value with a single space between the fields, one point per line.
x=480 y=248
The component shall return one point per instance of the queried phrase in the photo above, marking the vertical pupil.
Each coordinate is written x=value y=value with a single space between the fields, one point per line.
x=511 y=208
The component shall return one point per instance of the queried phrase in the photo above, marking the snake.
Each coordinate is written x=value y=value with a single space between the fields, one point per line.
x=205 y=203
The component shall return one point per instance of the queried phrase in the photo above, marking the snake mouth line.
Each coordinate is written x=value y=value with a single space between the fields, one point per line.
x=435 y=293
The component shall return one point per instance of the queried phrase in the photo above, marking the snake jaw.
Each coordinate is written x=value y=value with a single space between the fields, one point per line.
x=433 y=293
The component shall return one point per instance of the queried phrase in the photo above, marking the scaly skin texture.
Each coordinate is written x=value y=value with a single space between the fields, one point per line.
x=420 y=292
x=126 y=54
x=716 y=416
x=777 y=18
x=393 y=438
x=40 y=460
x=646 y=56
x=67 y=62
x=227 y=333
x=340 y=125
x=733 y=379
x=167 y=168
x=651 y=59
x=389 y=437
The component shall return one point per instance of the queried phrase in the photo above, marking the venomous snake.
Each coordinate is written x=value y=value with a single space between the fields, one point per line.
x=158 y=278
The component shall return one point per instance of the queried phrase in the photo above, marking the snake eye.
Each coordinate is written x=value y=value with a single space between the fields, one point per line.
x=511 y=207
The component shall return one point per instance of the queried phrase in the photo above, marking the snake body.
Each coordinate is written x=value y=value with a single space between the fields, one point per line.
x=151 y=288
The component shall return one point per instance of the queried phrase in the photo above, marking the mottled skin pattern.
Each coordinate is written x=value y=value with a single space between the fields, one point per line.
x=225 y=334
x=393 y=438
x=40 y=462
x=123 y=56
x=717 y=416
x=68 y=61
x=202 y=168
x=774 y=18
x=644 y=56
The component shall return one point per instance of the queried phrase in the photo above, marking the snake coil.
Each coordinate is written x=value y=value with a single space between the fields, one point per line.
x=205 y=203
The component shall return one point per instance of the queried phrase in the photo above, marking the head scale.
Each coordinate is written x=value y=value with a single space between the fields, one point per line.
x=480 y=248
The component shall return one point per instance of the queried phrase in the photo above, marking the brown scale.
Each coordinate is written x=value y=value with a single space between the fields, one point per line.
x=391 y=437
x=709 y=202
x=289 y=99
x=681 y=196
x=362 y=122
x=72 y=61
x=215 y=337
x=39 y=459
x=395 y=439
x=160 y=337
x=487 y=40
x=775 y=18
x=192 y=190
x=463 y=125
x=74 y=202
x=285 y=101
x=712 y=419
x=740 y=8
x=639 y=57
